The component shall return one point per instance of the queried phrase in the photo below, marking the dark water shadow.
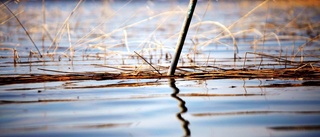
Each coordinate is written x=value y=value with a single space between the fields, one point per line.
x=45 y=127
x=253 y=113
x=297 y=128
x=182 y=106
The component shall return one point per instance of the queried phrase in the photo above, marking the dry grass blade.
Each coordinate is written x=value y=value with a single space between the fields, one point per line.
x=246 y=15
x=43 y=24
x=71 y=54
x=289 y=52
x=147 y=62
x=305 y=71
x=16 y=57
x=34 y=44
x=128 y=26
x=307 y=43
x=125 y=35
x=61 y=30
x=81 y=40
x=224 y=28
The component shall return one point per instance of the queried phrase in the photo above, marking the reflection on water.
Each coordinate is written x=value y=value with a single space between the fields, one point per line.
x=109 y=108
x=182 y=106
x=105 y=34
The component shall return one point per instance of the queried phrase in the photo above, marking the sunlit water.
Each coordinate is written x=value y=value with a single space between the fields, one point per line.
x=107 y=33
x=158 y=107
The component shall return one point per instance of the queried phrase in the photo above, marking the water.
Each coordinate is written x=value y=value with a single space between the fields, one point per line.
x=103 y=38
x=157 y=108
x=108 y=33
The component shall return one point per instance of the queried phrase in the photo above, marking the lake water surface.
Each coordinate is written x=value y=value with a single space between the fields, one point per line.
x=153 y=107
x=101 y=36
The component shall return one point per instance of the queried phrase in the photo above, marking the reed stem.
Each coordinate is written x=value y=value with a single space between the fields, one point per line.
x=182 y=37
x=34 y=44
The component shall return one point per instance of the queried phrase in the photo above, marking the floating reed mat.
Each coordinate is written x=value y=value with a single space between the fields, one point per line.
x=302 y=72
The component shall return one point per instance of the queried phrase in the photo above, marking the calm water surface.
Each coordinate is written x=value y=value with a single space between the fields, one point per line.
x=158 y=107
x=161 y=108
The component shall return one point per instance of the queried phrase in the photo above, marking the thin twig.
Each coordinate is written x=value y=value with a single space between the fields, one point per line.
x=34 y=44
x=147 y=62
x=125 y=35
x=302 y=66
x=70 y=43
x=43 y=24
x=53 y=70
x=61 y=30
x=117 y=68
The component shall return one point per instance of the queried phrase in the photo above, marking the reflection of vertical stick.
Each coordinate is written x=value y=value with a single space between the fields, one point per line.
x=244 y=86
x=182 y=106
x=182 y=37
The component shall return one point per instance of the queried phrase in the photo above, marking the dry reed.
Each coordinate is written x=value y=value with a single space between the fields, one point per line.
x=269 y=50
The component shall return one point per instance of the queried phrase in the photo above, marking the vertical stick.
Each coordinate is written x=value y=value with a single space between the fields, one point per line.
x=182 y=37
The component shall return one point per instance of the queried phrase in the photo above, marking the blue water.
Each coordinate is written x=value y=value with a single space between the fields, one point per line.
x=198 y=108
x=104 y=36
